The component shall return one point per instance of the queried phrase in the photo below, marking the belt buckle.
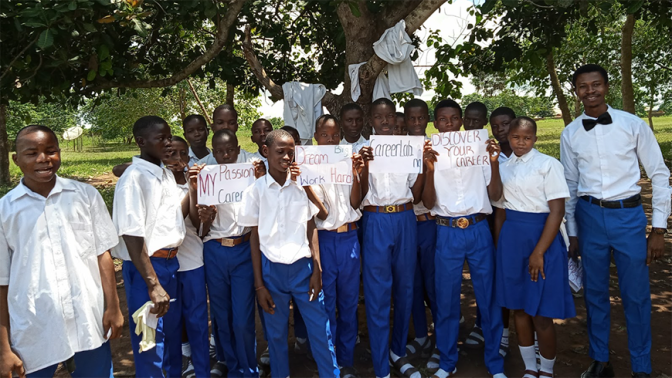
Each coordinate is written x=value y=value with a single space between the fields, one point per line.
x=600 y=203
x=170 y=252
x=462 y=223
x=391 y=208
x=227 y=242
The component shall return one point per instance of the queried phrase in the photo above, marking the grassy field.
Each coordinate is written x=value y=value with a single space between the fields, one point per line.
x=94 y=162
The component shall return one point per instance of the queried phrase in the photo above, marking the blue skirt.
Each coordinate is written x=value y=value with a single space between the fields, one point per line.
x=514 y=289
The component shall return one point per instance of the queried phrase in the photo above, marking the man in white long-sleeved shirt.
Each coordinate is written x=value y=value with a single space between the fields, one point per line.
x=601 y=152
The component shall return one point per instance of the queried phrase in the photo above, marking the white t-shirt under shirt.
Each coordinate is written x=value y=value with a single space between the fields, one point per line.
x=190 y=253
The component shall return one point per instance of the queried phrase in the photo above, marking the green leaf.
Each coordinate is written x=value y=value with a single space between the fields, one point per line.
x=92 y=75
x=46 y=39
x=89 y=27
x=34 y=24
x=137 y=25
x=103 y=52
x=72 y=6
x=633 y=6
x=354 y=8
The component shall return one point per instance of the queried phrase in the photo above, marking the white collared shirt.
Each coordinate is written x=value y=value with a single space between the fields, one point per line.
x=193 y=159
x=531 y=180
x=604 y=163
x=243 y=157
x=190 y=254
x=355 y=146
x=49 y=250
x=226 y=224
x=336 y=198
x=281 y=214
x=462 y=191
x=147 y=204
x=389 y=189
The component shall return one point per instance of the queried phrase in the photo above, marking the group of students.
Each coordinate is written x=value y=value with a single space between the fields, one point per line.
x=410 y=235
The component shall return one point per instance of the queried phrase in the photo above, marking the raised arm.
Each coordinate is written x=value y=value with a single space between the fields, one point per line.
x=495 y=187
x=356 y=192
x=428 y=190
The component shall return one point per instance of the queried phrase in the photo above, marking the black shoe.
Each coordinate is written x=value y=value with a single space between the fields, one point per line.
x=598 y=369
x=641 y=375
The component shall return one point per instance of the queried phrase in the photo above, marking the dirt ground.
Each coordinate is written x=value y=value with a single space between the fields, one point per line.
x=572 y=357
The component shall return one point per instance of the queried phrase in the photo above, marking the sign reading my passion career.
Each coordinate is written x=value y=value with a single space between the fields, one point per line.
x=224 y=183
x=461 y=149
x=324 y=164
x=396 y=154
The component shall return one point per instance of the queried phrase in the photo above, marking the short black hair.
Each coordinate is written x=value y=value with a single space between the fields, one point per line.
x=144 y=123
x=226 y=107
x=416 y=103
x=277 y=134
x=479 y=107
x=447 y=104
x=321 y=120
x=503 y=110
x=32 y=129
x=586 y=68
x=224 y=134
x=350 y=106
x=383 y=101
x=191 y=117
x=176 y=138
x=290 y=130
x=263 y=120
x=400 y=114
x=523 y=122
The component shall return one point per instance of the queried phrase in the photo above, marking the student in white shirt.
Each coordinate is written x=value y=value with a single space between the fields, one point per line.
x=601 y=151
x=193 y=301
x=260 y=128
x=531 y=275
x=390 y=245
x=225 y=117
x=351 y=119
x=460 y=198
x=149 y=211
x=336 y=223
x=416 y=114
x=228 y=267
x=400 y=125
x=196 y=132
x=475 y=116
x=58 y=296
x=286 y=257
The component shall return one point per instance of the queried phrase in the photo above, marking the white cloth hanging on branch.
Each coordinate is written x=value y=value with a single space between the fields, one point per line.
x=380 y=89
x=395 y=47
x=303 y=105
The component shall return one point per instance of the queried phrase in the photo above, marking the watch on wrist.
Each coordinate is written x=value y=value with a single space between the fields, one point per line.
x=659 y=231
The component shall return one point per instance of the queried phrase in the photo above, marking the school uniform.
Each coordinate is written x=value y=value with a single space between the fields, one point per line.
x=193 y=159
x=389 y=228
x=605 y=212
x=49 y=250
x=462 y=232
x=530 y=181
x=340 y=257
x=230 y=277
x=193 y=295
x=423 y=282
x=147 y=204
x=281 y=213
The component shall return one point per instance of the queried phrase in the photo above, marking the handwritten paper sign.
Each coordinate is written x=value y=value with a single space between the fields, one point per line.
x=461 y=149
x=224 y=183
x=324 y=164
x=396 y=154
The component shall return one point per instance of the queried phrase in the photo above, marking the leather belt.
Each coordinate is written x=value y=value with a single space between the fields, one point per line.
x=425 y=217
x=166 y=253
x=345 y=228
x=626 y=203
x=232 y=242
x=389 y=208
x=460 y=222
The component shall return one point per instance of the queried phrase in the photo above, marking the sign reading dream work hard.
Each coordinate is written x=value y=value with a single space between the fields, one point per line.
x=224 y=183
x=396 y=154
x=461 y=149
x=324 y=164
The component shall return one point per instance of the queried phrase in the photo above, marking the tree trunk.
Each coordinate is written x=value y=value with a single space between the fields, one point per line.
x=627 y=91
x=230 y=92
x=577 y=106
x=651 y=103
x=557 y=89
x=4 y=147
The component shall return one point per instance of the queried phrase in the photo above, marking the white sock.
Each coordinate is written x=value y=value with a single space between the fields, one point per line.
x=432 y=364
x=212 y=340
x=394 y=356
x=529 y=357
x=419 y=340
x=547 y=365
x=443 y=374
x=505 y=337
x=499 y=375
x=476 y=335
x=405 y=367
x=301 y=340
x=186 y=349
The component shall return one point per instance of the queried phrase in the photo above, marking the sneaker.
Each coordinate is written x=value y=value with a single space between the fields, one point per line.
x=219 y=370
x=188 y=368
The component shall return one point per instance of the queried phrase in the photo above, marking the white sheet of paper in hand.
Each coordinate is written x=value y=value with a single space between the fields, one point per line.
x=461 y=149
x=224 y=183
x=396 y=153
x=324 y=164
x=575 y=274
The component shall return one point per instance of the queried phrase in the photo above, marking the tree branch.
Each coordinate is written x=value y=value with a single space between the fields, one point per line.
x=223 y=27
x=664 y=67
x=258 y=69
x=398 y=11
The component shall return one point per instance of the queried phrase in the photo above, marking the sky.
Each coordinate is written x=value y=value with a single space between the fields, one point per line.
x=451 y=20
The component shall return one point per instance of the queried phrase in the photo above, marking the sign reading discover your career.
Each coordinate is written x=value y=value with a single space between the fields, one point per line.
x=461 y=149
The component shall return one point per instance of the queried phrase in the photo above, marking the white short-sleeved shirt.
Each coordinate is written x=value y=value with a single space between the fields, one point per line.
x=281 y=214
x=531 y=180
x=49 y=250
x=193 y=159
x=243 y=157
x=190 y=254
x=226 y=224
x=389 y=188
x=148 y=204
x=336 y=198
x=462 y=191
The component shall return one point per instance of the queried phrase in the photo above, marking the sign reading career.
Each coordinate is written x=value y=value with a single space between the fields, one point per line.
x=396 y=154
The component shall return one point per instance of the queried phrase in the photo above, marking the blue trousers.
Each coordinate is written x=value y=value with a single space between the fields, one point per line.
x=288 y=282
x=167 y=355
x=453 y=246
x=88 y=364
x=230 y=278
x=623 y=232
x=389 y=265
x=424 y=277
x=195 y=317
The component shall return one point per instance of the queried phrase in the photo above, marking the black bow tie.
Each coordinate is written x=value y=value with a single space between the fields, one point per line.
x=604 y=119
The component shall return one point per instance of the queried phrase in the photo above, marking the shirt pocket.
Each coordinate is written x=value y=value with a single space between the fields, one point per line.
x=82 y=238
